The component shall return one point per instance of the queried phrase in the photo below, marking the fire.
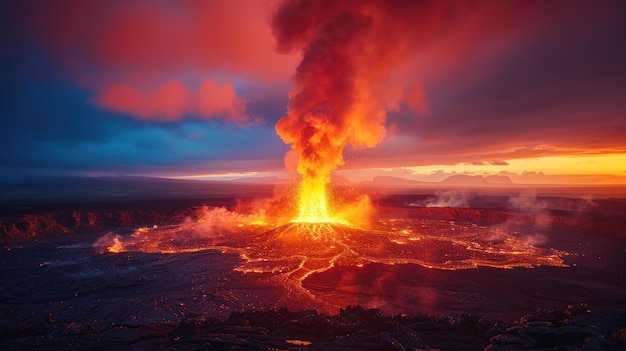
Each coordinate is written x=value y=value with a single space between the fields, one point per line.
x=313 y=202
x=117 y=246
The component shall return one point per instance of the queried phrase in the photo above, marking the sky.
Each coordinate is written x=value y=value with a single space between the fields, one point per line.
x=194 y=89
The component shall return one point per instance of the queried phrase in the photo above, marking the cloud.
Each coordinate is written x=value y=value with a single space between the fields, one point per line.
x=156 y=60
x=546 y=82
x=490 y=163
x=151 y=37
x=173 y=100
x=168 y=102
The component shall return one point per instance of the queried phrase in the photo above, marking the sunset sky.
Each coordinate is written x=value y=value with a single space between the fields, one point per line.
x=535 y=90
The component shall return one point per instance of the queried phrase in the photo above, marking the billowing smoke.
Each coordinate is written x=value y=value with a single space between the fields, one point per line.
x=343 y=83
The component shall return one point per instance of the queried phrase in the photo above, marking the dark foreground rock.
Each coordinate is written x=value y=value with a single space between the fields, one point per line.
x=576 y=328
x=354 y=328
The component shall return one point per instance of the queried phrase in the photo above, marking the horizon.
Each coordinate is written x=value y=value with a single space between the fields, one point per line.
x=50 y=190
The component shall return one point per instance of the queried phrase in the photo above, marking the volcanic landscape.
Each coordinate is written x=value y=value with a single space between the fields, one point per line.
x=211 y=266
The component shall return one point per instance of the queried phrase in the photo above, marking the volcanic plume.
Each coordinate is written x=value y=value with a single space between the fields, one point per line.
x=340 y=98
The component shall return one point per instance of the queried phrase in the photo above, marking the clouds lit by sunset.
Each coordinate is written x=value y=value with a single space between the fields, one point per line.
x=530 y=89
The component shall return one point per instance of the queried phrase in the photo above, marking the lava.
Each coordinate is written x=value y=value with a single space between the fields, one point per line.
x=313 y=202
x=289 y=253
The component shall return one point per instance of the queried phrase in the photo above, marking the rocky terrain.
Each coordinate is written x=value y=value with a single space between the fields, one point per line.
x=353 y=328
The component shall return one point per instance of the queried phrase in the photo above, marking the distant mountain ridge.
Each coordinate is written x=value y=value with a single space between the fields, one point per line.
x=465 y=179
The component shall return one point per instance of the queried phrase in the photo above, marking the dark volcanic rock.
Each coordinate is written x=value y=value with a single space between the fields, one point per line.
x=574 y=329
x=354 y=328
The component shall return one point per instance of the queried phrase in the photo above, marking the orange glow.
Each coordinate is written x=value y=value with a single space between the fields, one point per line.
x=312 y=202
x=609 y=164
x=117 y=246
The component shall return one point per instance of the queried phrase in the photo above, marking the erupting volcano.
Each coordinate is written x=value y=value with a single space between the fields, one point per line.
x=338 y=102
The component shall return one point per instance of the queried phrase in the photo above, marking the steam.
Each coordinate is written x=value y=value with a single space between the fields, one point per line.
x=528 y=203
x=206 y=223
x=444 y=199
x=540 y=218
x=450 y=199
x=219 y=220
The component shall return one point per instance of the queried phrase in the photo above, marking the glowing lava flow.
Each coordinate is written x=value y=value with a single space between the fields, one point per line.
x=297 y=249
x=283 y=256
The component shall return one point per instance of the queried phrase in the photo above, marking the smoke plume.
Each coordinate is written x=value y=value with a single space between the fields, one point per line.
x=342 y=85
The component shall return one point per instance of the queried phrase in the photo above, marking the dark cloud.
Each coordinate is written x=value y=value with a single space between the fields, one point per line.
x=547 y=87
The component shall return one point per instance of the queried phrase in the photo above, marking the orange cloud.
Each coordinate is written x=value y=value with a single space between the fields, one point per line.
x=173 y=100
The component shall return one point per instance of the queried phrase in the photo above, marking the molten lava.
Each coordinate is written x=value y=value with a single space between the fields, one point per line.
x=313 y=203
x=286 y=255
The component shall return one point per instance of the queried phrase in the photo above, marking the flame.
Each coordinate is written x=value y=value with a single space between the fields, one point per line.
x=118 y=245
x=313 y=202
